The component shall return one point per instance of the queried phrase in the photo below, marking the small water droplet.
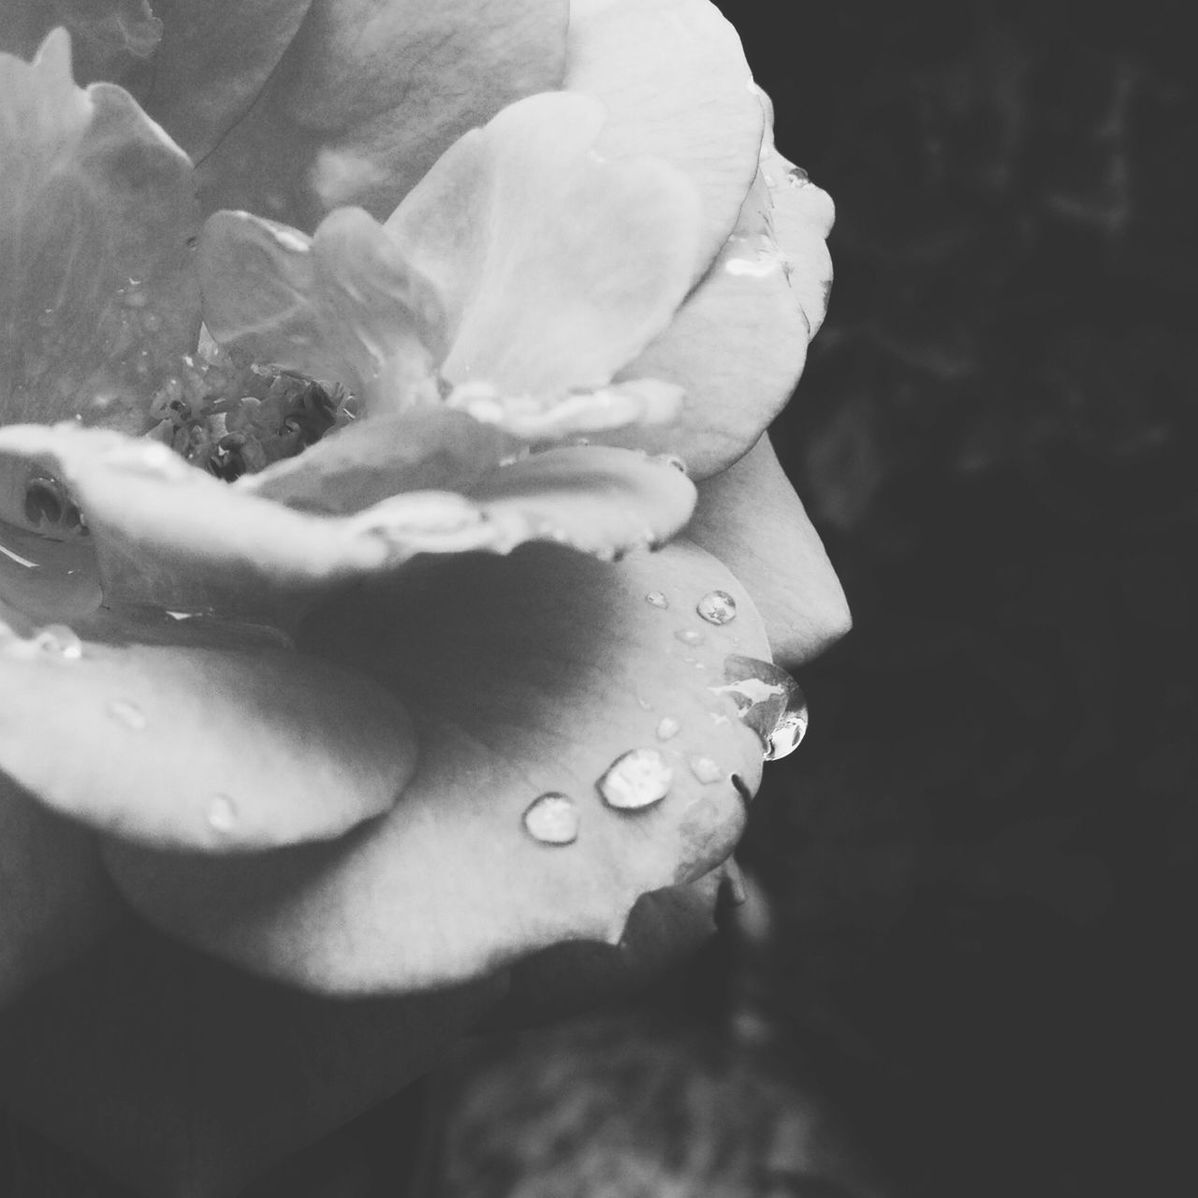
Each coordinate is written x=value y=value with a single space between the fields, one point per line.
x=222 y=814
x=705 y=769
x=636 y=780
x=717 y=607
x=128 y=714
x=674 y=461
x=797 y=177
x=643 y=703
x=657 y=599
x=769 y=701
x=57 y=640
x=552 y=819
x=689 y=636
x=667 y=728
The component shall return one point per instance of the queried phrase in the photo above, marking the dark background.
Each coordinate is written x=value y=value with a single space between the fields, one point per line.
x=982 y=859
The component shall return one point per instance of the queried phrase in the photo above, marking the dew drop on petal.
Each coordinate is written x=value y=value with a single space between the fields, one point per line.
x=669 y=727
x=717 y=607
x=57 y=640
x=552 y=818
x=222 y=814
x=705 y=769
x=657 y=599
x=673 y=461
x=636 y=780
x=688 y=636
x=128 y=714
x=769 y=701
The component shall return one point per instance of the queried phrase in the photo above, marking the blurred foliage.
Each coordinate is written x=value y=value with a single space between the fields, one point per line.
x=983 y=857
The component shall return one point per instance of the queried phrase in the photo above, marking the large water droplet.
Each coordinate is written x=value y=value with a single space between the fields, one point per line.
x=57 y=640
x=657 y=599
x=552 y=818
x=128 y=714
x=769 y=701
x=669 y=727
x=222 y=815
x=636 y=780
x=717 y=607
x=705 y=769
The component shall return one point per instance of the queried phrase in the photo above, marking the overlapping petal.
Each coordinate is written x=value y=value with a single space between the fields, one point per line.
x=750 y=517
x=97 y=303
x=226 y=748
x=673 y=79
x=169 y=535
x=539 y=674
x=370 y=93
x=555 y=267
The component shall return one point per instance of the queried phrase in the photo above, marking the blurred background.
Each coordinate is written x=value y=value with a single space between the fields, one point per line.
x=962 y=970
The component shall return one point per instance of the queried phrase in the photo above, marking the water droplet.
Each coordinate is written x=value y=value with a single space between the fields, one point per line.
x=636 y=780
x=705 y=769
x=674 y=461
x=128 y=714
x=760 y=268
x=769 y=701
x=717 y=607
x=57 y=640
x=222 y=814
x=668 y=727
x=797 y=177
x=552 y=819
x=657 y=599
x=689 y=636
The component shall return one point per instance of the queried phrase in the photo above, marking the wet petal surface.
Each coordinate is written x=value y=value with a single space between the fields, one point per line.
x=556 y=267
x=225 y=749
x=97 y=305
x=169 y=535
x=750 y=517
x=538 y=673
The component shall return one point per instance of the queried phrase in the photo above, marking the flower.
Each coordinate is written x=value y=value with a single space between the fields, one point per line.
x=346 y=349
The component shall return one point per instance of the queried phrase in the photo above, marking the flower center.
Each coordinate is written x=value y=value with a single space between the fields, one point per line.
x=230 y=416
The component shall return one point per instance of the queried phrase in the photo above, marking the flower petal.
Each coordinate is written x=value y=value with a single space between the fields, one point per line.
x=214 y=58
x=674 y=81
x=538 y=675
x=739 y=343
x=750 y=517
x=226 y=749
x=425 y=449
x=169 y=535
x=111 y=38
x=179 y=1075
x=96 y=302
x=371 y=92
x=344 y=305
x=55 y=899
x=556 y=267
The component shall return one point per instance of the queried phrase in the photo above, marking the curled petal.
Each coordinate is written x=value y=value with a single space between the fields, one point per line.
x=739 y=343
x=344 y=305
x=180 y=1075
x=532 y=418
x=674 y=81
x=425 y=449
x=371 y=92
x=750 y=517
x=223 y=749
x=97 y=306
x=556 y=267
x=574 y=755
x=55 y=899
x=170 y=535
